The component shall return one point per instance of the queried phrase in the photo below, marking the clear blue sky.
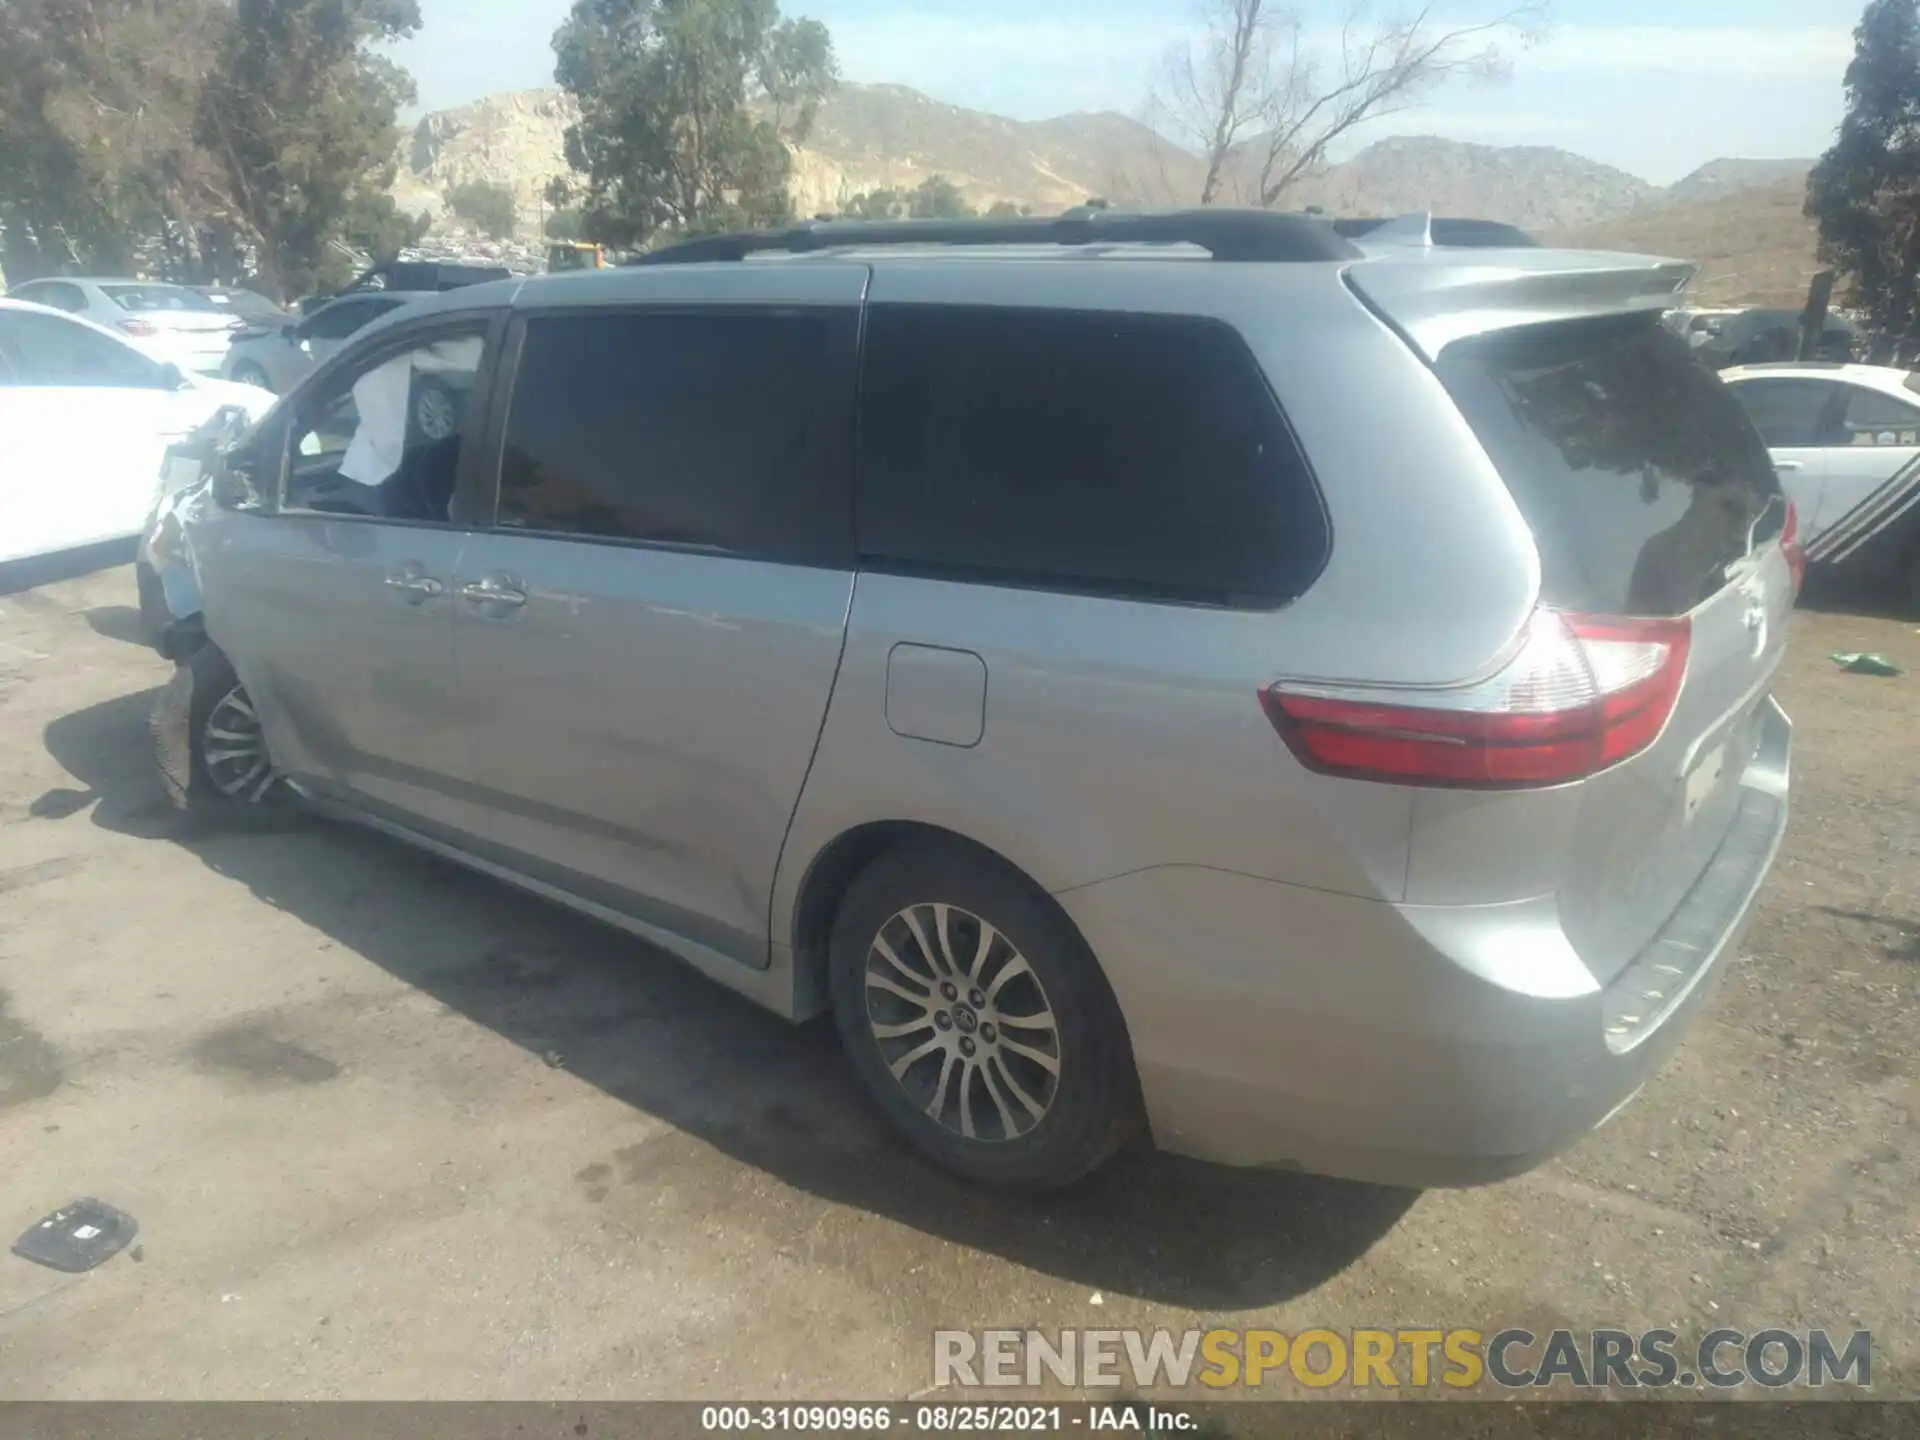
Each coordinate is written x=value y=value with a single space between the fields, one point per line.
x=1656 y=87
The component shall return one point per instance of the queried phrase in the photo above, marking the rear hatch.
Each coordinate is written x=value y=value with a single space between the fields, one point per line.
x=1601 y=762
x=1650 y=498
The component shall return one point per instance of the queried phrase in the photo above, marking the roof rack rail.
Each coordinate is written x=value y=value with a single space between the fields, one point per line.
x=1447 y=232
x=1225 y=234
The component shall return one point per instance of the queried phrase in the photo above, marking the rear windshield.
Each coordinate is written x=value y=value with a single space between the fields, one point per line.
x=1635 y=467
x=145 y=299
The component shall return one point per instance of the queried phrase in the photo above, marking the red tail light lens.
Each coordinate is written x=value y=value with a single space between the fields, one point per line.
x=139 y=329
x=1793 y=549
x=1583 y=692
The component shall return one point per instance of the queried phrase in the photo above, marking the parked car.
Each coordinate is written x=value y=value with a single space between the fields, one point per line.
x=1124 y=687
x=1845 y=440
x=1698 y=327
x=85 y=417
x=274 y=359
x=257 y=311
x=1749 y=337
x=169 y=323
x=416 y=275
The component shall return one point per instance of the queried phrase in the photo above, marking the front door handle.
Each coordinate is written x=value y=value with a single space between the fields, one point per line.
x=1785 y=465
x=494 y=591
x=414 y=586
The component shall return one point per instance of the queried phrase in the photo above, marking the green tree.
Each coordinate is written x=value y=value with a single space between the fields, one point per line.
x=373 y=225
x=298 y=116
x=883 y=204
x=566 y=223
x=938 y=198
x=97 y=152
x=686 y=111
x=1006 y=210
x=487 y=205
x=1865 y=191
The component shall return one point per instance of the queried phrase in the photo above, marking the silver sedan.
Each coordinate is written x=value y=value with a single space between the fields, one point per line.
x=275 y=358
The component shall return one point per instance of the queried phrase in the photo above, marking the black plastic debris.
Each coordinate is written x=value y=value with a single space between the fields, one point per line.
x=77 y=1237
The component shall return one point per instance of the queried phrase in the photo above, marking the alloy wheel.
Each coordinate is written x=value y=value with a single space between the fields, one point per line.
x=963 y=1023
x=235 y=749
x=433 y=413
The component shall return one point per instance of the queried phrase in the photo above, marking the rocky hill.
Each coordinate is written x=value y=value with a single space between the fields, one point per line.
x=1724 y=177
x=1533 y=186
x=1754 y=246
x=873 y=136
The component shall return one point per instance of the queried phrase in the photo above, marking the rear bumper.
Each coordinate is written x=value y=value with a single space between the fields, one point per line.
x=1281 y=1027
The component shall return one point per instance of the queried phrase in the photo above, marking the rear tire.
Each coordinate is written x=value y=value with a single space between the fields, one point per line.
x=220 y=767
x=1007 y=1062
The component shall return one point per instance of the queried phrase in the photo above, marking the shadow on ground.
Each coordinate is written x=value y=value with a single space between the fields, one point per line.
x=118 y=622
x=649 y=1031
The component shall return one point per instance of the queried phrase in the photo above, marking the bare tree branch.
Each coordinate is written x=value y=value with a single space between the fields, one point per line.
x=1263 y=99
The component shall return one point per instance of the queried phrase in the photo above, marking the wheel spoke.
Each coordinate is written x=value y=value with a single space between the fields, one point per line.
x=978 y=968
x=1016 y=966
x=266 y=784
x=906 y=1027
x=1034 y=1107
x=221 y=757
x=967 y=1067
x=1039 y=1057
x=907 y=972
x=942 y=916
x=907 y=1061
x=250 y=736
x=253 y=772
x=1007 y=1128
x=239 y=701
x=937 y=1107
x=1042 y=1023
x=912 y=918
x=881 y=982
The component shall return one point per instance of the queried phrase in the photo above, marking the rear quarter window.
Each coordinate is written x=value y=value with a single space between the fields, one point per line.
x=1142 y=456
x=1636 y=469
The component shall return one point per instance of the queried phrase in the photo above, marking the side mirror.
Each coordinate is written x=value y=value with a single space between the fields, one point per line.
x=234 y=485
x=173 y=378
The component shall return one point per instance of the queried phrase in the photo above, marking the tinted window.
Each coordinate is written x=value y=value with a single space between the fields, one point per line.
x=1134 y=454
x=1634 y=465
x=1787 y=413
x=47 y=350
x=727 y=430
x=1877 y=419
x=336 y=322
x=59 y=295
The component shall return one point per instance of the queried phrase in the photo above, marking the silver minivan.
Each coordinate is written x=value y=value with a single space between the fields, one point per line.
x=1307 y=699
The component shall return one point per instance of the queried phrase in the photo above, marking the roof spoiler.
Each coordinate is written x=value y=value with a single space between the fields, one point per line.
x=1435 y=304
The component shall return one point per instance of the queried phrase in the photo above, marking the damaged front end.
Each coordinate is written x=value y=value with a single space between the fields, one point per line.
x=170 y=576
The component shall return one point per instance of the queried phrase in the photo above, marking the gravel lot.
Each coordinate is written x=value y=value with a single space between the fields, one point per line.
x=394 y=1131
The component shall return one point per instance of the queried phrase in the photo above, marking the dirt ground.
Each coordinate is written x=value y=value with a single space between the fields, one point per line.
x=394 y=1131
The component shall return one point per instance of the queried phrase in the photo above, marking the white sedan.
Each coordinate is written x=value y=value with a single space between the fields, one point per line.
x=85 y=421
x=170 y=323
x=1845 y=440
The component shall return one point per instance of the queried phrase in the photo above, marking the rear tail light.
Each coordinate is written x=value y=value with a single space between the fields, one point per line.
x=139 y=329
x=1583 y=692
x=1793 y=549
